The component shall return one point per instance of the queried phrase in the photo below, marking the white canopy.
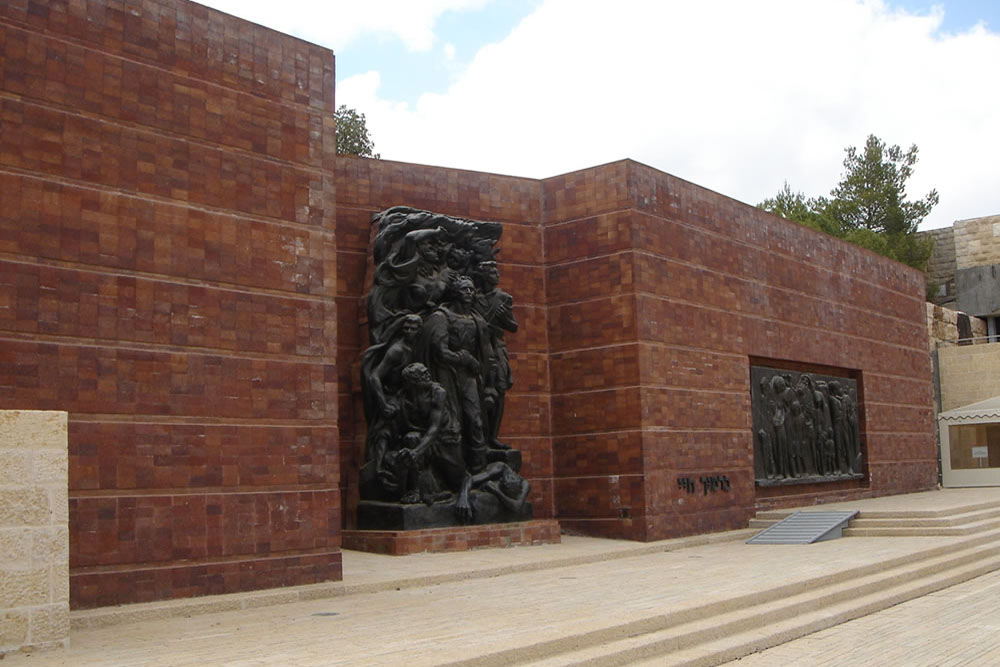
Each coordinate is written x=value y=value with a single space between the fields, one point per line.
x=983 y=411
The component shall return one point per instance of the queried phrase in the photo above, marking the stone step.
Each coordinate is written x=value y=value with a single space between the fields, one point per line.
x=932 y=513
x=866 y=521
x=904 y=523
x=943 y=513
x=922 y=531
x=733 y=647
x=362 y=585
x=922 y=527
x=665 y=634
x=887 y=528
x=723 y=635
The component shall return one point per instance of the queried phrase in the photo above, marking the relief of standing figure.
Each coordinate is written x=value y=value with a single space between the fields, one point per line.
x=496 y=307
x=459 y=350
x=805 y=427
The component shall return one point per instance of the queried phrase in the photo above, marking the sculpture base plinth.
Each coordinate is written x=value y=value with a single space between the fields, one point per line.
x=376 y=515
x=458 y=538
x=809 y=479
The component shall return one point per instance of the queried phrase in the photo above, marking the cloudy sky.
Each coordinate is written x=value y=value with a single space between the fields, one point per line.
x=734 y=95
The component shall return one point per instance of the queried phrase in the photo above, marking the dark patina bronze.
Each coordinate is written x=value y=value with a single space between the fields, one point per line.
x=805 y=427
x=435 y=377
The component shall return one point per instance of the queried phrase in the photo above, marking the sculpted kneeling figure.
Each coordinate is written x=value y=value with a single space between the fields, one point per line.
x=428 y=458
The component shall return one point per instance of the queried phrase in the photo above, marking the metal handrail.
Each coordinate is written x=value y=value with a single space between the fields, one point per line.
x=973 y=340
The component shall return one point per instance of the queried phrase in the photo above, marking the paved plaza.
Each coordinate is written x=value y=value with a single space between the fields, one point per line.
x=957 y=626
x=501 y=606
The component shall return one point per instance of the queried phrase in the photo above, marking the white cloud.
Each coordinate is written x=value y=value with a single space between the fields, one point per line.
x=732 y=95
x=336 y=24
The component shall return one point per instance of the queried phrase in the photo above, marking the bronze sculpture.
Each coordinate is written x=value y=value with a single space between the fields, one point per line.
x=435 y=376
x=805 y=427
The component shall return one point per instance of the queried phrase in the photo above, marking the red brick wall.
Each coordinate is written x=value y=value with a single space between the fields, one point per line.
x=183 y=264
x=167 y=266
x=368 y=186
x=648 y=298
x=596 y=398
x=661 y=293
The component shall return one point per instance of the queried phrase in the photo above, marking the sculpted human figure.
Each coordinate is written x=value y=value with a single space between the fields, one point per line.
x=381 y=382
x=431 y=280
x=431 y=445
x=764 y=439
x=805 y=426
x=838 y=417
x=458 y=258
x=796 y=440
x=395 y=223
x=853 y=434
x=434 y=378
x=412 y=279
x=779 y=415
x=498 y=479
x=459 y=350
x=804 y=394
x=496 y=307
x=824 y=431
x=381 y=366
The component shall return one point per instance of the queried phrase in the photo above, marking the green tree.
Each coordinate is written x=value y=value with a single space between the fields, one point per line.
x=868 y=207
x=352 y=134
x=795 y=206
x=872 y=191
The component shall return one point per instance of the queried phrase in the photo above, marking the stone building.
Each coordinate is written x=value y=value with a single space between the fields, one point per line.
x=183 y=261
x=964 y=274
x=964 y=270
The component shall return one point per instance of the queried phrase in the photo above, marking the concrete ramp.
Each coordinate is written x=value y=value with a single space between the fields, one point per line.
x=805 y=528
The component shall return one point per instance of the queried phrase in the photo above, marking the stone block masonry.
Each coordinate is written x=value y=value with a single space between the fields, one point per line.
x=968 y=374
x=34 y=533
x=977 y=242
x=643 y=300
x=167 y=277
x=948 y=326
x=183 y=262
x=965 y=255
x=977 y=253
x=660 y=294
x=941 y=266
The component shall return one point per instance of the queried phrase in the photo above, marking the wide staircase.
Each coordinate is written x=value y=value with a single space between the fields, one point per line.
x=716 y=634
x=952 y=521
x=696 y=601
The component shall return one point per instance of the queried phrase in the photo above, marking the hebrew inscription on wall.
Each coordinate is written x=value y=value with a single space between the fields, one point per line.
x=805 y=427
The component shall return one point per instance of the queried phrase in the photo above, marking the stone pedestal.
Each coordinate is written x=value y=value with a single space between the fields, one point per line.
x=459 y=538
x=486 y=509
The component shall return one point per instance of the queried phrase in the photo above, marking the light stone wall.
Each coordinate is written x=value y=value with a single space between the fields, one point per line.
x=34 y=531
x=941 y=265
x=977 y=242
x=969 y=373
x=942 y=325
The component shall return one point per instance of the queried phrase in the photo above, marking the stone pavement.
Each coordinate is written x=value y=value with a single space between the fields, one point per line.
x=432 y=609
x=955 y=626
